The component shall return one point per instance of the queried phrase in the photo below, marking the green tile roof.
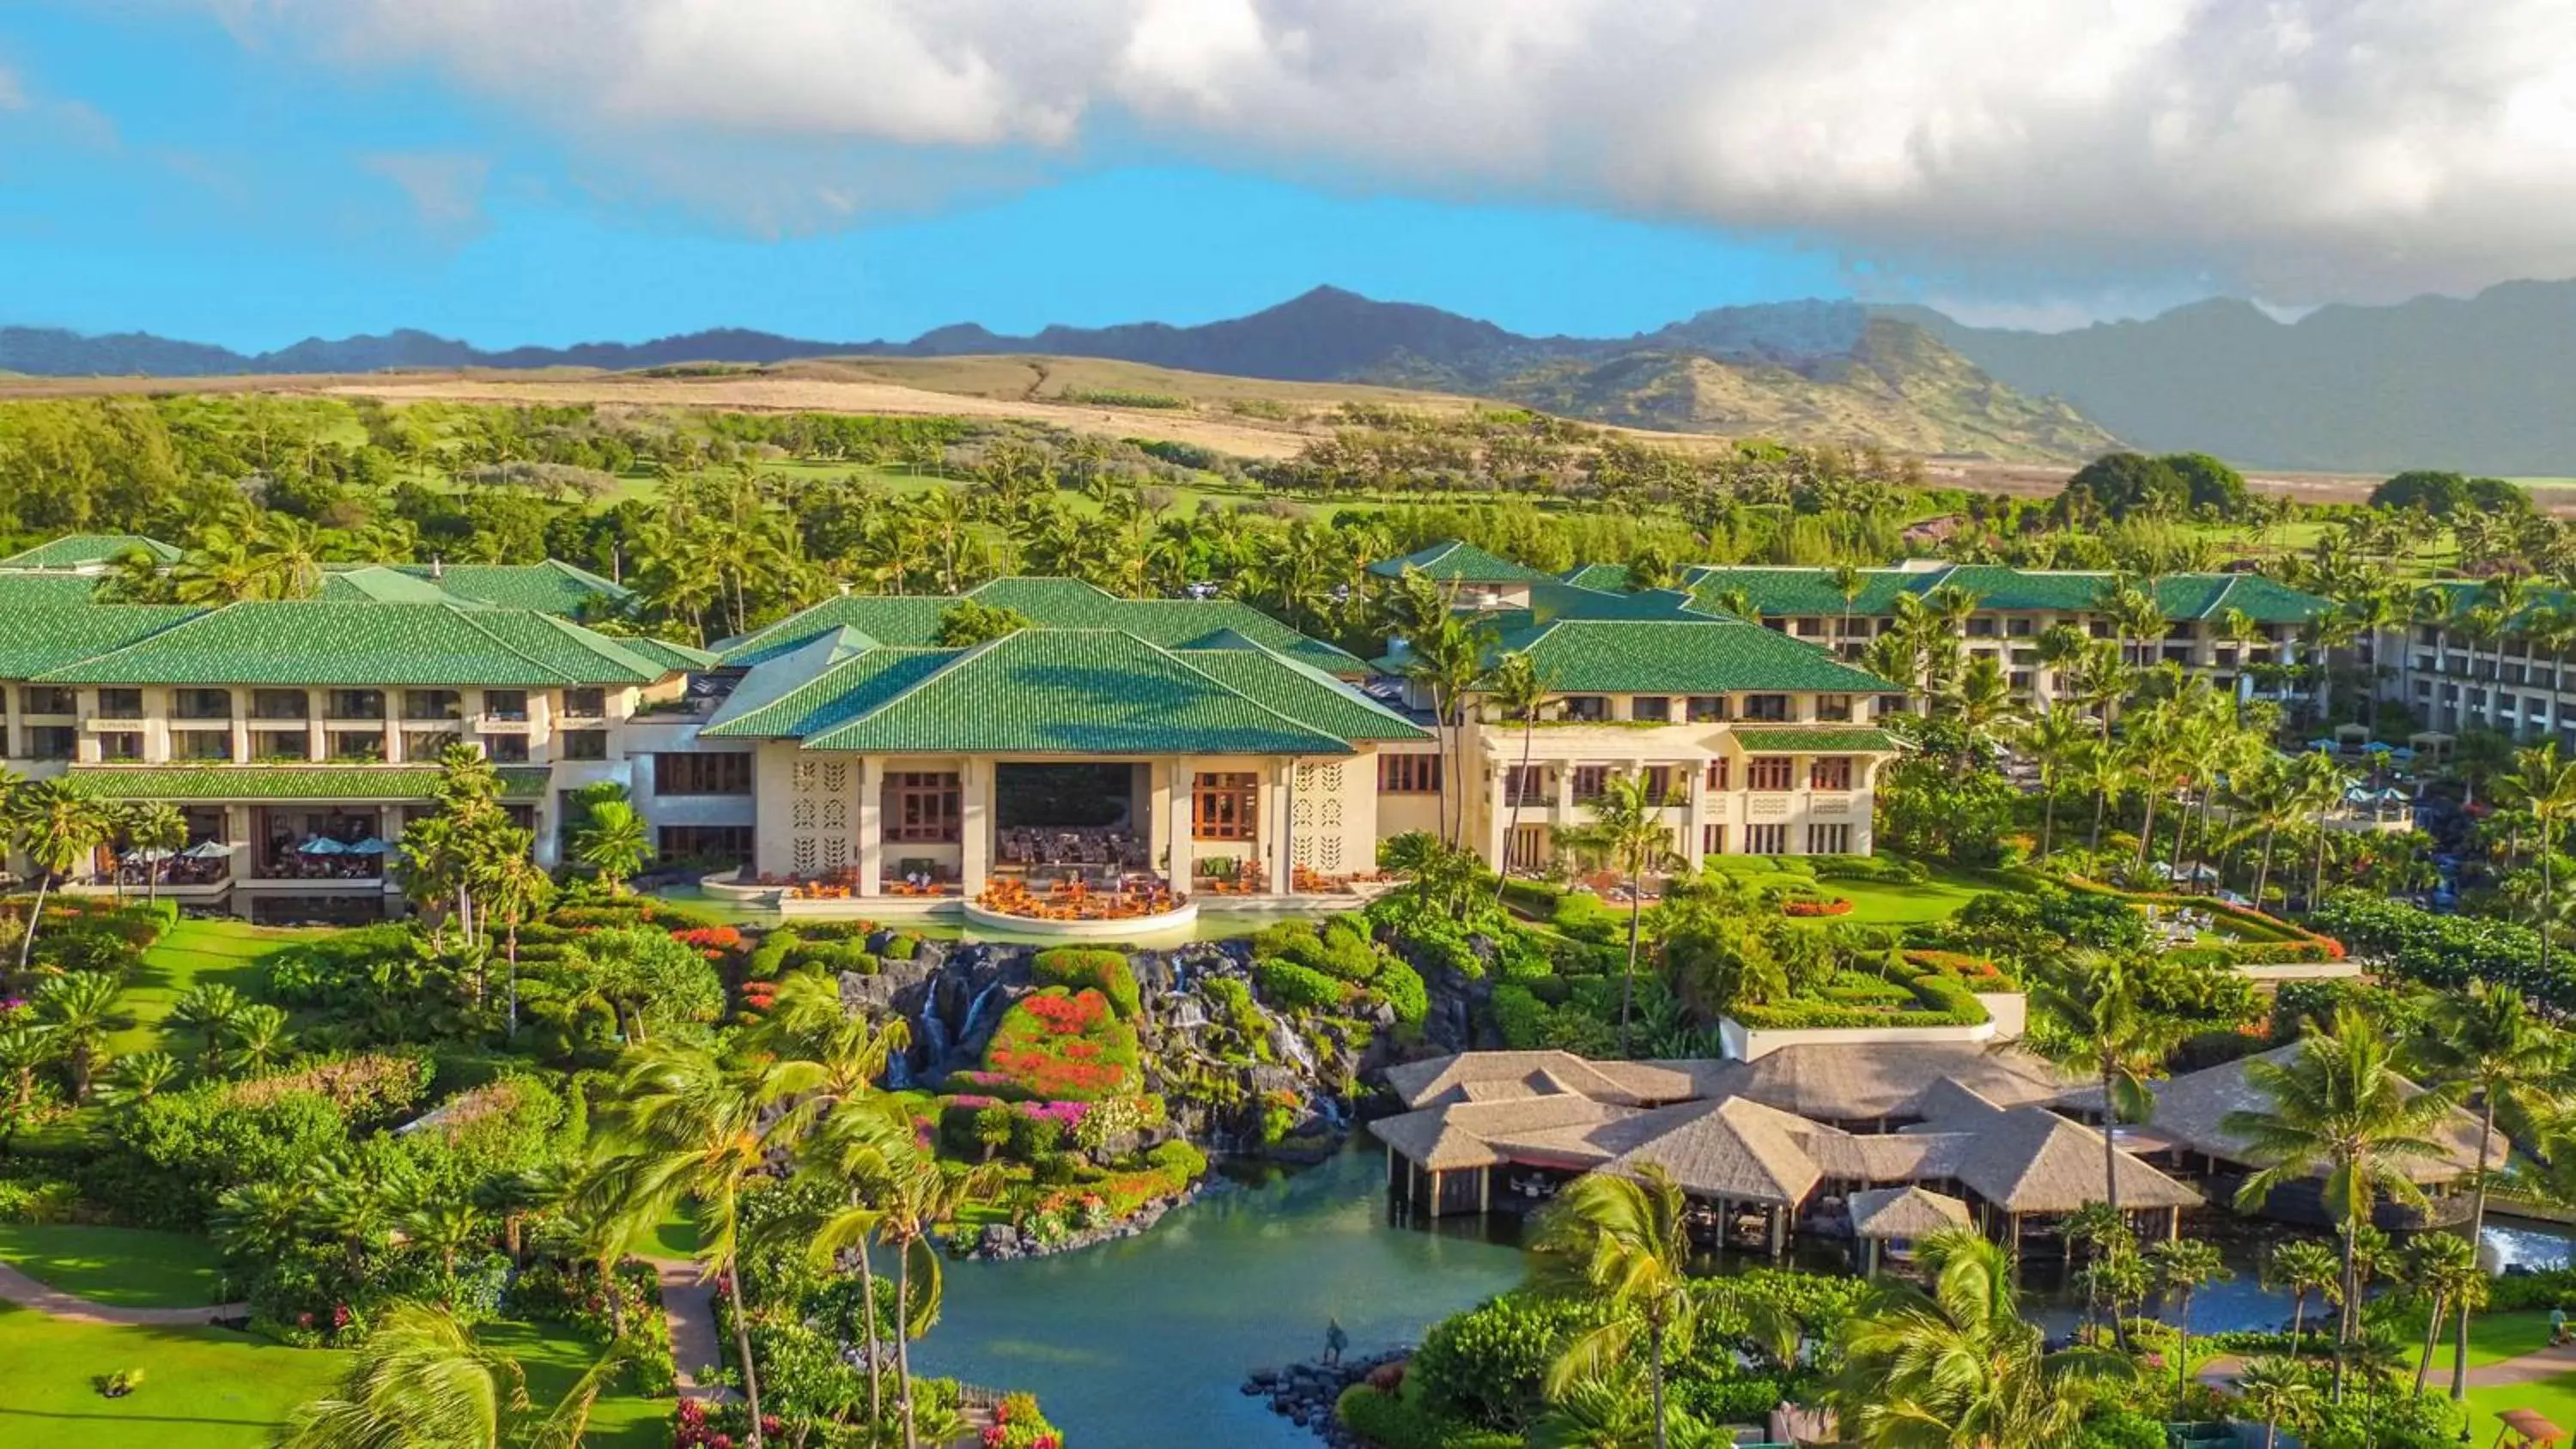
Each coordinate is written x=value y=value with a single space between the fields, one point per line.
x=1809 y=592
x=287 y=782
x=1605 y=656
x=21 y=588
x=39 y=638
x=820 y=687
x=1460 y=563
x=1073 y=691
x=1818 y=740
x=379 y=584
x=1613 y=577
x=551 y=587
x=317 y=642
x=79 y=550
x=1309 y=696
x=677 y=658
x=912 y=621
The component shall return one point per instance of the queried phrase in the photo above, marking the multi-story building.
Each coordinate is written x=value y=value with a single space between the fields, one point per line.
x=2484 y=666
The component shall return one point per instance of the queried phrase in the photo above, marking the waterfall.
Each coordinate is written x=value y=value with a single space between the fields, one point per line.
x=934 y=1033
x=975 y=1012
x=898 y=1071
x=1290 y=1046
x=1188 y=1015
x=1180 y=977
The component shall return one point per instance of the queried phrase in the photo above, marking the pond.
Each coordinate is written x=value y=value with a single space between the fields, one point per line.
x=1144 y=1342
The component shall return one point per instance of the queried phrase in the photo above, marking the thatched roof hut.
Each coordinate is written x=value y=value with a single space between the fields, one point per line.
x=1903 y=1214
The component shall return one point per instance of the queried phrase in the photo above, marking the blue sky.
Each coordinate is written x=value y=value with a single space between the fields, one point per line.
x=166 y=177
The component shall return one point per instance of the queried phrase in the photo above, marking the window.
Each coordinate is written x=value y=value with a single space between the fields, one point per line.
x=1712 y=840
x=712 y=843
x=2098 y=628
x=1772 y=707
x=1810 y=628
x=1408 y=774
x=1766 y=840
x=1655 y=707
x=1836 y=707
x=2020 y=681
x=423 y=747
x=587 y=704
x=283 y=704
x=356 y=704
x=1717 y=774
x=2018 y=627
x=1659 y=785
x=1590 y=781
x=1707 y=708
x=583 y=744
x=923 y=807
x=1224 y=807
x=696 y=774
x=357 y=744
x=120 y=745
x=281 y=745
x=201 y=745
x=1830 y=772
x=1981 y=627
x=52 y=699
x=1525 y=785
x=1768 y=772
x=505 y=704
x=112 y=704
x=433 y=704
x=201 y=704
x=1587 y=706
x=2428 y=634
x=2226 y=656
x=1829 y=840
x=506 y=749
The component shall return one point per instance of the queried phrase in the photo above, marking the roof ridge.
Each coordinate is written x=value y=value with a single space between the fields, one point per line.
x=1292 y=722
x=467 y=615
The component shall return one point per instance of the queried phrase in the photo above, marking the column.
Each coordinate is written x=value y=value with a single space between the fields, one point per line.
x=1156 y=822
x=156 y=729
x=1563 y=815
x=1177 y=822
x=393 y=699
x=1281 y=822
x=241 y=726
x=13 y=731
x=871 y=825
x=317 y=742
x=975 y=826
x=1498 y=817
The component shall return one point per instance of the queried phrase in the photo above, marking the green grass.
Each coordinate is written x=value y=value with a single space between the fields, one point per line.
x=203 y=1388
x=1874 y=903
x=120 y=1267
x=193 y=951
x=2495 y=1337
x=552 y=1357
x=675 y=1236
x=2555 y=1398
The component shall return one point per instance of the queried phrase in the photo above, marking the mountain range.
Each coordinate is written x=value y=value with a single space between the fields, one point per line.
x=2478 y=384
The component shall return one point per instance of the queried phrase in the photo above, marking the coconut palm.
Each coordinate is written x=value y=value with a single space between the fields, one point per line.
x=2545 y=785
x=2306 y=1267
x=2319 y=784
x=56 y=827
x=517 y=889
x=155 y=826
x=2181 y=1267
x=2102 y=773
x=419 y=1379
x=1515 y=690
x=2088 y=1017
x=1623 y=1244
x=687 y=1125
x=1628 y=830
x=80 y=1008
x=857 y=1155
x=2443 y=1271
x=2278 y=1391
x=612 y=843
x=1958 y=1365
x=2055 y=740
x=2488 y=1046
x=919 y=1196
x=1446 y=659
x=2339 y=1106
x=807 y=1020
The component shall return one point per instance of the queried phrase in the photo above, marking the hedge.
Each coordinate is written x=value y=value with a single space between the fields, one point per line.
x=1389 y=1422
x=1080 y=966
x=1944 y=1001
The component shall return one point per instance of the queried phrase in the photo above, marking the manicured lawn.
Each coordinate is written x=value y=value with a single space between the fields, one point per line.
x=194 y=951
x=2497 y=1336
x=1936 y=899
x=120 y=1267
x=203 y=1388
x=2555 y=1398
x=553 y=1357
x=675 y=1236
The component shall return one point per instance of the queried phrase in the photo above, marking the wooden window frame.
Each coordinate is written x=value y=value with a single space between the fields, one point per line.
x=1408 y=774
x=1225 y=806
x=924 y=807
x=1830 y=772
x=1771 y=773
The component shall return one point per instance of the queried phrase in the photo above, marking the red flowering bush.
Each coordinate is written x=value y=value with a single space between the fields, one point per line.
x=1061 y=1046
x=1837 y=906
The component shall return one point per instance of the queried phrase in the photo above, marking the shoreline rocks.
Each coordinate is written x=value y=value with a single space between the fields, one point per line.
x=1305 y=1392
x=1002 y=1243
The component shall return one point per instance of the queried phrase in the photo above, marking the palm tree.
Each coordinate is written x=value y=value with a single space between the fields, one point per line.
x=2088 y=1017
x=517 y=890
x=920 y=1196
x=1516 y=691
x=2181 y=1266
x=2443 y=1270
x=857 y=1155
x=2319 y=787
x=420 y=1378
x=258 y=1033
x=807 y=1020
x=613 y=843
x=2488 y=1045
x=2306 y=1267
x=2546 y=786
x=1959 y=1366
x=156 y=826
x=2102 y=773
x=137 y=1077
x=2279 y=1391
x=1628 y=830
x=80 y=1008
x=1848 y=582
x=57 y=827
x=2054 y=740
x=2338 y=1106
x=1446 y=660
x=1623 y=1244
x=209 y=1008
x=690 y=1126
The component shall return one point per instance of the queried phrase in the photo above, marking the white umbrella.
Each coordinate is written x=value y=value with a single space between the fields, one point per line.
x=152 y=855
x=207 y=850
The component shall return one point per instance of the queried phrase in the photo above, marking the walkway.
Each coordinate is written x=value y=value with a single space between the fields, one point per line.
x=690 y=1305
x=26 y=1292
x=2540 y=1363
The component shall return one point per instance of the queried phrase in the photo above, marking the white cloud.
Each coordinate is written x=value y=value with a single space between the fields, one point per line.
x=13 y=92
x=2299 y=149
x=446 y=189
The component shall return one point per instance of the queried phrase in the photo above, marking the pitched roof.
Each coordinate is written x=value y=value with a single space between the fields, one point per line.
x=1780 y=592
x=1821 y=739
x=316 y=642
x=20 y=587
x=2030 y=1160
x=82 y=550
x=1707 y=656
x=818 y=688
x=287 y=782
x=1453 y=562
x=1073 y=691
x=36 y=639
x=2191 y=1109
x=912 y=621
x=1836 y=1083
x=1735 y=1149
x=1303 y=693
x=1904 y=1213
x=1435 y=1080
x=551 y=587
x=379 y=584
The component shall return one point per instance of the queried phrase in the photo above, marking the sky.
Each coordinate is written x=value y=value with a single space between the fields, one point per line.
x=252 y=172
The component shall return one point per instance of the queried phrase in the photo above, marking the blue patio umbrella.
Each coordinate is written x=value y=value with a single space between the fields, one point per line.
x=323 y=845
x=2321 y=744
x=2380 y=747
x=369 y=846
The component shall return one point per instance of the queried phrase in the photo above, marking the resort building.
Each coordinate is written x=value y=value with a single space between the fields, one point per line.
x=2489 y=661
x=1862 y=1142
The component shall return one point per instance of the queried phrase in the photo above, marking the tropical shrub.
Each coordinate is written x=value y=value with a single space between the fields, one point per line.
x=1060 y=1045
x=1287 y=985
x=1109 y=972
